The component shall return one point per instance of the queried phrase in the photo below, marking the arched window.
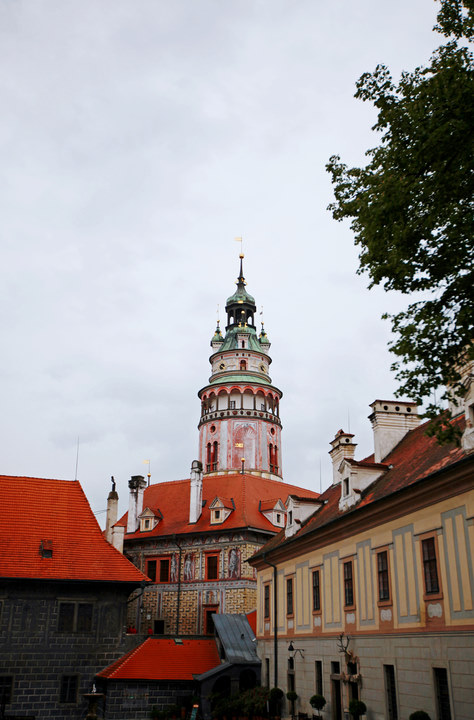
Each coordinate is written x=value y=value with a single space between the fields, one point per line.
x=214 y=455
x=275 y=459
x=243 y=365
x=208 y=457
x=270 y=456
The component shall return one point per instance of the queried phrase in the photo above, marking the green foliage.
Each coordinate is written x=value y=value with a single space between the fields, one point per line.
x=254 y=701
x=291 y=695
x=412 y=210
x=317 y=702
x=419 y=715
x=276 y=693
x=357 y=707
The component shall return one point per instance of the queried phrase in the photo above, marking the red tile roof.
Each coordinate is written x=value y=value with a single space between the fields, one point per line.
x=164 y=659
x=33 y=510
x=416 y=457
x=245 y=490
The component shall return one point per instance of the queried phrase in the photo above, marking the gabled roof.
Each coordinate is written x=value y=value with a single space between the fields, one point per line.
x=414 y=459
x=165 y=659
x=244 y=489
x=33 y=510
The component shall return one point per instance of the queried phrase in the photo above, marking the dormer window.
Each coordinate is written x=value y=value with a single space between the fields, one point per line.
x=149 y=519
x=220 y=510
x=278 y=518
x=46 y=548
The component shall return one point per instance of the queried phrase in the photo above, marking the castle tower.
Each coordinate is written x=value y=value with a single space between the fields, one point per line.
x=240 y=428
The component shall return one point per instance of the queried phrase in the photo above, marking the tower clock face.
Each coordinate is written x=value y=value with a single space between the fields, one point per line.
x=263 y=367
x=222 y=366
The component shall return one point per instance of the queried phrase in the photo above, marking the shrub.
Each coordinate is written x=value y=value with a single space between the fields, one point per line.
x=317 y=702
x=357 y=707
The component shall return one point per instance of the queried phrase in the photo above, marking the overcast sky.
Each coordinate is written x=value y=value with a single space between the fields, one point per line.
x=137 y=139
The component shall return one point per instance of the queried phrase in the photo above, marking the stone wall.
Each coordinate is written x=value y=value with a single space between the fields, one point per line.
x=36 y=655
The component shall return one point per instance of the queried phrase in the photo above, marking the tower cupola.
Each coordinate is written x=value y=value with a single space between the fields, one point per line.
x=240 y=407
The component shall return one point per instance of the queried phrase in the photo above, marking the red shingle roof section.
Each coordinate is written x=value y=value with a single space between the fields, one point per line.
x=245 y=490
x=33 y=510
x=164 y=659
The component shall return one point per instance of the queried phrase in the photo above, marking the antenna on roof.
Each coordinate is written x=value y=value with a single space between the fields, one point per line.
x=77 y=458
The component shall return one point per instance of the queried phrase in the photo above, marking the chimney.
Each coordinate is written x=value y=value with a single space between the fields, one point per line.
x=342 y=447
x=137 y=485
x=112 y=512
x=391 y=420
x=195 y=500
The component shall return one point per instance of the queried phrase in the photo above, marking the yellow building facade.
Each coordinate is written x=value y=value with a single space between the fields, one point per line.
x=375 y=591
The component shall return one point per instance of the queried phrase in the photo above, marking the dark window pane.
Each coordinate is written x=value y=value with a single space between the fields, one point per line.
x=382 y=566
x=212 y=567
x=84 y=617
x=6 y=685
x=429 y=566
x=266 y=603
x=164 y=570
x=289 y=596
x=316 y=591
x=442 y=693
x=318 y=673
x=151 y=569
x=68 y=690
x=66 y=617
x=348 y=587
x=390 y=692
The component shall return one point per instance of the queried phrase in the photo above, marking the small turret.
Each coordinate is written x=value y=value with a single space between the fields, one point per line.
x=217 y=338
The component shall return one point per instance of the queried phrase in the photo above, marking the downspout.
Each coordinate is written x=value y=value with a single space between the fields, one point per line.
x=179 y=584
x=275 y=620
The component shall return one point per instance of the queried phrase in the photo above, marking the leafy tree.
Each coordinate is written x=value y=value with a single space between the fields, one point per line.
x=412 y=211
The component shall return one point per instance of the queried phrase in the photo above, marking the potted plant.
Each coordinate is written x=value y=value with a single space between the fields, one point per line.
x=419 y=715
x=317 y=702
x=292 y=697
x=357 y=708
x=276 y=696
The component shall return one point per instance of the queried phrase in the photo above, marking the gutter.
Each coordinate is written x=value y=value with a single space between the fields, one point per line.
x=275 y=620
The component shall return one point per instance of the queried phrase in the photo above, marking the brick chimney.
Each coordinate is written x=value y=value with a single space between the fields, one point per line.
x=137 y=485
x=342 y=447
x=391 y=420
x=195 y=500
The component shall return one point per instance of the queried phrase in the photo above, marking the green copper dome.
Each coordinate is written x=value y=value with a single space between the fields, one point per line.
x=241 y=296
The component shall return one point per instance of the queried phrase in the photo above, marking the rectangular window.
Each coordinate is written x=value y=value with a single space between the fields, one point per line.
x=267 y=672
x=289 y=596
x=232 y=404
x=68 y=689
x=348 y=584
x=390 y=692
x=6 y=690
x=442 y=693
x=430 y=568
x=382 y=570
x=151 y=569
x=75 y=617
x=266 y=601
x=165 y=570
x=318 y=677
x=209 y=620
x=66 y=617
x=316 y=592
x=212 y=567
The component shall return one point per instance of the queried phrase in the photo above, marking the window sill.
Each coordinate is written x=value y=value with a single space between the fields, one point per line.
x=385 y=603
x=349 y=608
x=428 y=597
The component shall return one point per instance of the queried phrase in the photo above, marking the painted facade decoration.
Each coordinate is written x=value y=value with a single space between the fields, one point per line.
x=376 y=587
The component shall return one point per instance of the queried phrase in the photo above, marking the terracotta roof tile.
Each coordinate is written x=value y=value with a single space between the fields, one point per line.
x=35 y=509
x=164 y=659
x=245 y=490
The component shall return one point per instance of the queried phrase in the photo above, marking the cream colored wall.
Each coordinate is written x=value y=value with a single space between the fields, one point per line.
x=450 y=521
